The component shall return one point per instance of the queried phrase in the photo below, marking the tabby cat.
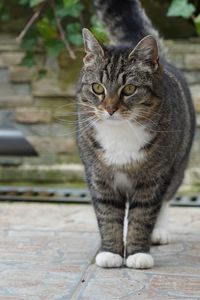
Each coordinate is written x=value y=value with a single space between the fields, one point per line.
x=135 y=129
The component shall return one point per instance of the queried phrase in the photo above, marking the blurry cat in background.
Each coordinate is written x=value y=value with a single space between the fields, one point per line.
x=135 y=129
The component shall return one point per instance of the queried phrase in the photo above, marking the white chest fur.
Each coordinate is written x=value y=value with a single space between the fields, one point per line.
x=122 y=141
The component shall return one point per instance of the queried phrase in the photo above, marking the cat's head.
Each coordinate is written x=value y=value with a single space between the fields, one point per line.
x=118 y=83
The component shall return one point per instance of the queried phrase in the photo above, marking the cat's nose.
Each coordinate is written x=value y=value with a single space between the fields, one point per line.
x=111 y=110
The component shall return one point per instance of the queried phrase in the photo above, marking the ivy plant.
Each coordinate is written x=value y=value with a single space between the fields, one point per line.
x=54 y=26
x=186 y=9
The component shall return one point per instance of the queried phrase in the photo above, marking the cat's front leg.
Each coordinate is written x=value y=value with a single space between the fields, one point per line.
x=141 y=220
x=110 y=217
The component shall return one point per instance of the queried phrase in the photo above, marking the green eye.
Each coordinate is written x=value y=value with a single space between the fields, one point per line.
x=98 y=88
x=128 y=90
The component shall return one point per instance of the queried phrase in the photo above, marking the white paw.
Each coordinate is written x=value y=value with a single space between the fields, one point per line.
x=109 y=260
x=140 y=261
x=160 y=236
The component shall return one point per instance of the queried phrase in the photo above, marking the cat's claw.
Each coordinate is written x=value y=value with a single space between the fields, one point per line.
x=109 y=260
x=140 y=261
x=160 y=236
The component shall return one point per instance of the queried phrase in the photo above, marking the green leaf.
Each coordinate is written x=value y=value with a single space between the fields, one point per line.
x=61 y=12
x=54 y=47
x=5 y=17
x=35 y=2
x=71 y=8
x=5 y=14
x=47 y=30
x=69 y=3
x=24 y=2
x=29 y=59
x=197 y=24
x=98 y=30
x=180 y=8
x=74 y=35
x=28 y=43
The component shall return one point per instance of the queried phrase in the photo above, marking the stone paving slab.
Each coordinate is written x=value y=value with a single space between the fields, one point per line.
x=47 y=253
x=44 y=249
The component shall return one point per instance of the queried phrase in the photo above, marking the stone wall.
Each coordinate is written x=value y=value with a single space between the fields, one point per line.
x=43 y=109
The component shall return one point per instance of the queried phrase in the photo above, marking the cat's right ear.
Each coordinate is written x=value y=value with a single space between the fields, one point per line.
x=92 y=47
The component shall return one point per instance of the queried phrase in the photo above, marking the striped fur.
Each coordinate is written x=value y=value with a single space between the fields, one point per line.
x=137 y=154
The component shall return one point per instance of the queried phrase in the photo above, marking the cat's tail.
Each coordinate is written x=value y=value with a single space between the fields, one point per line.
x=126 y=21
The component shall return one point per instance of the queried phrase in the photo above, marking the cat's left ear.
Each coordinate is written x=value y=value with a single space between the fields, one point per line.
x=92 y=47
x=147 y=51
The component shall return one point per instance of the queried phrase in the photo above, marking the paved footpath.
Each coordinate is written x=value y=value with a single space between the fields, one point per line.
x=47 y=253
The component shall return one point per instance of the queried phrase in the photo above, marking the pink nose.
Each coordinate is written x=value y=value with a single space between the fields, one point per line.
x=110 y=110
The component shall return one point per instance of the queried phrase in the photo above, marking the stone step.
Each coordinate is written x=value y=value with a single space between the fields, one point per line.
x=8 y=43
x=14 y=94
x=8 y=59
x=43 y=173
x=61 y=145
x=32 y=115
x=21 y=74
x=52 y=87
x=4 y=76
x=15 y=101
x=195 y=90
x=9 y=89
x=183 y=47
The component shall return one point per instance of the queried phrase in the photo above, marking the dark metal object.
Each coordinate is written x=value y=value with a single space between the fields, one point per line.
x=36 y=194
x=193 y=201
x=13 y=143
x=57 y=195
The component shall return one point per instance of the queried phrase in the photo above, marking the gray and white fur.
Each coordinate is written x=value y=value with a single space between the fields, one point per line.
x=135 y=129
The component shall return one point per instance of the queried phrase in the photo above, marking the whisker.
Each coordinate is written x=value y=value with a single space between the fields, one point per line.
x=81 y=129
x=74 y=112
x=73 y=122
x=151 y=110
x=153 y=124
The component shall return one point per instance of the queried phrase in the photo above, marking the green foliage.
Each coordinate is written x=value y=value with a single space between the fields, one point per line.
x=72 y=8
x=74 y=34
x=29 y=59
x=31 y=3
x=197 y=24
x=185 y=9
x=47 y=29
x=4 y=13
x=98 y=29
x=181 y=8
x=57 y=25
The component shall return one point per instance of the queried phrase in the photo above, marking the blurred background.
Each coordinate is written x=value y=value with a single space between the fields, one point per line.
x=40 y=60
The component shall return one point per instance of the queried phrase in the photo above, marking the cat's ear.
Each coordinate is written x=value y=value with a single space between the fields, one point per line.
x=92 y=47
x=146 y=51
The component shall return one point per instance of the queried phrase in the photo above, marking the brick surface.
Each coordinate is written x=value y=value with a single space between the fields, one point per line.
x=193 y=77
x=52 y=87
x=21 y=73
x=10 y=58
x=43 y=173
x=183 y=47
x=195 y=89
x=192 y=61
x=56 y=145
x=15 y=101
x=32 y=115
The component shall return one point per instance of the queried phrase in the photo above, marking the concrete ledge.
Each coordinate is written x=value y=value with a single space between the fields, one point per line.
x=42 y=173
